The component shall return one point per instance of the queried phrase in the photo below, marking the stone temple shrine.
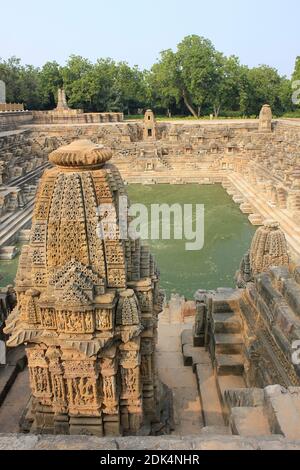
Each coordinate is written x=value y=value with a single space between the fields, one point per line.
x=87 y=305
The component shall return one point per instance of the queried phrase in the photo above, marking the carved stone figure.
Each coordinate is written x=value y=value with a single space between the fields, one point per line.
x=265 y=119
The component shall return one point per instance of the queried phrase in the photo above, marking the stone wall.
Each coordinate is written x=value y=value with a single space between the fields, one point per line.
x=11 y=120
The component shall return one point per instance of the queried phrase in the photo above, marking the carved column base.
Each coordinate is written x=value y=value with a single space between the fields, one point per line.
x=61 y=424
x=112 y=425
x=43 y=420
x=131 y=421
x=86 y=426
x=149 y=400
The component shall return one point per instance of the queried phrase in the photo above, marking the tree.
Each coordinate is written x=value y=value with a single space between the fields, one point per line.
x=10 y=74
x=199 y=66
x=22 y=83
x=296 y=83
x=265 y=83
x=50 y=79
x=191 y=74
x=229 y=85
x=77 y=78
x=130 y=87
x=165 y=82
x=194 y=78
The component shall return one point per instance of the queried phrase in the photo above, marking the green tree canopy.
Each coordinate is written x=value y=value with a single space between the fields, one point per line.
x=195 y=79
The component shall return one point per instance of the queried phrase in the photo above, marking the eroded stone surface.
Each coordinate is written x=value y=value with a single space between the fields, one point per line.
x=22 y=442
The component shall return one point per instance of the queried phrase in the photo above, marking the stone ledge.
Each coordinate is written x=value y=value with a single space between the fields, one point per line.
x=210 y=442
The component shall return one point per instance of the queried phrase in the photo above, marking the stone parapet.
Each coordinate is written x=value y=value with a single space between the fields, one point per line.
x=11 y=107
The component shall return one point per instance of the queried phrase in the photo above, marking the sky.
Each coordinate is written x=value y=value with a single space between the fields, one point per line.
x=257 y=31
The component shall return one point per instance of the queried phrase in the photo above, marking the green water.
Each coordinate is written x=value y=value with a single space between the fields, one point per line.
x=228 y=234
x=8 y=270
x=227 y=237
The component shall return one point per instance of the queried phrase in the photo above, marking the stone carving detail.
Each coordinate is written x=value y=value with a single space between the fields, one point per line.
x=127 y=309
x=81 y=321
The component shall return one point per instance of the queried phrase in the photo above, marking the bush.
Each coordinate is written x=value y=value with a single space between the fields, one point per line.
x=292 y=114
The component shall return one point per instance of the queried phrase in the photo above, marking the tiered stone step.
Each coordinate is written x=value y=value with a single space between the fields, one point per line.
x=227 y=343
x=227 y=364
x=16 y=222
x=227 y=322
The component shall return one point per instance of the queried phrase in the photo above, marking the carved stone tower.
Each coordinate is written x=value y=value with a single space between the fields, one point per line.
x=268 y=249
x=87 y=304
x=265 y=119
x=149 y=125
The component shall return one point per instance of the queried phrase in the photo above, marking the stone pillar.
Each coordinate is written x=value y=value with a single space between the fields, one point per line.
x=111 y=418
x=131 y=393
x=2 y=92
x=2 y=353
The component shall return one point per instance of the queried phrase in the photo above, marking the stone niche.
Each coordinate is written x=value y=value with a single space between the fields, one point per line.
x=87 y=304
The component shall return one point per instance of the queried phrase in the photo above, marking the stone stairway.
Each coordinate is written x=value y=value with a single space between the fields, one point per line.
x=226 y=343
x=199 y=360
x=165 y=162
x=14 y=223
x=180 y=380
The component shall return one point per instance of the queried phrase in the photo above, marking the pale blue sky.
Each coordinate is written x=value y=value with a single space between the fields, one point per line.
x=258 y=31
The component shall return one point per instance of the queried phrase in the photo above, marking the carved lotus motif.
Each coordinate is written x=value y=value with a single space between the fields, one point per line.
x=81 y=154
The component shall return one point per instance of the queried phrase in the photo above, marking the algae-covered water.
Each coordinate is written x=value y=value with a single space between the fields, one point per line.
x=8 y=270
x=227 y=231
x=228 y=234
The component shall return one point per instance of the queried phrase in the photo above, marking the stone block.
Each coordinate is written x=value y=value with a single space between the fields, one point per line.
x=153 y=443
x=249 y=422
x=187 y=337
x=225 y=443
x=282 y=413
x=75 y=443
